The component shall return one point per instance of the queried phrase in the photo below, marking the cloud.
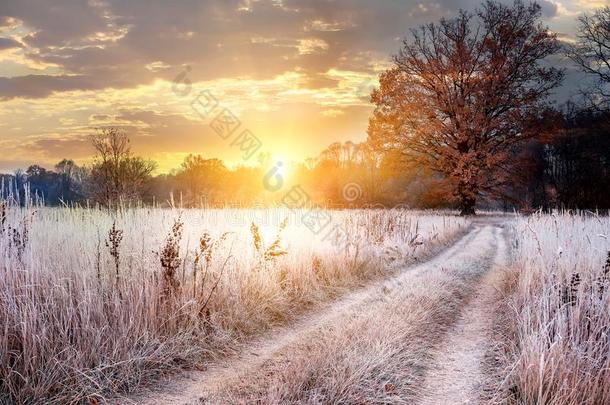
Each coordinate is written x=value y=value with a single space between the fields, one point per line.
x=298 y=72
x=327 y=26
x=311 y=45
x=8 y=43
x=332 y=113
x=7 y=22
x=58 y=148
x=123 y=44
x=39 y=86
x=10 y=165
x=549 y=8
x=66 y=21
x=319 y=81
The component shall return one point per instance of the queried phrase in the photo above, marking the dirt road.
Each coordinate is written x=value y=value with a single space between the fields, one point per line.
x=456 y=375
x=418 y=337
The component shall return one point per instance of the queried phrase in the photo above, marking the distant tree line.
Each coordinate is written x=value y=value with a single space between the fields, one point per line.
x=569 y=168
x=64 y=184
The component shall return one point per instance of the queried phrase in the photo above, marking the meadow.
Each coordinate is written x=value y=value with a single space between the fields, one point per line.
x=96 y=302
x=322 y=121
x=555 y=315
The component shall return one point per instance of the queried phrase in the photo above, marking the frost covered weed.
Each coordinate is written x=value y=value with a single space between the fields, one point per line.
x=171 y=288
x=558 y=312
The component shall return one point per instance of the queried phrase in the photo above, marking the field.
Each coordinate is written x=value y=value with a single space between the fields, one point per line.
x=305 y=202
x=422 y=307
x=556 y=311
x=157 y=290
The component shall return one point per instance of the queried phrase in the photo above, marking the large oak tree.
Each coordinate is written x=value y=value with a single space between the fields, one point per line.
x=464 y=92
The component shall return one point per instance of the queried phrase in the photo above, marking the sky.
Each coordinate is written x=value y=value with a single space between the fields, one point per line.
x=296 y=74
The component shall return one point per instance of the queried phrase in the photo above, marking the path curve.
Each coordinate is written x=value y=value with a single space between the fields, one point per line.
x=191 y=387
x=456 y=375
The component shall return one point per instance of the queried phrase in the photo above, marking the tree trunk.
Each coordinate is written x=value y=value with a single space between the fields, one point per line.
x=467 y=205
x=467 y=191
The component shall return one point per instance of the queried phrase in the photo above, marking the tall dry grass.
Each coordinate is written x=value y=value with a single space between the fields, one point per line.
x=379 y=347
x=93 y=302
x=557 y=312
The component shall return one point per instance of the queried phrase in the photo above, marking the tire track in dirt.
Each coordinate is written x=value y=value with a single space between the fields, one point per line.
x=190 y=388
x=456 y=375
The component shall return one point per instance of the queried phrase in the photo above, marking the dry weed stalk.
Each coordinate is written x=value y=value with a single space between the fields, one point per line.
x=170 y=258
x=3 y=216
x=20 y=236
x=113 y=243
x=604 y=278
x=414 y=242
x=204 y=251
x=256 y=238
x=203 y=258
x=98 y=258
x=568 y=293
x=274 y=250
x=203 y=307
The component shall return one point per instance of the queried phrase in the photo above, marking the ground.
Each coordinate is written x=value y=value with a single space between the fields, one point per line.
x=426 y=330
